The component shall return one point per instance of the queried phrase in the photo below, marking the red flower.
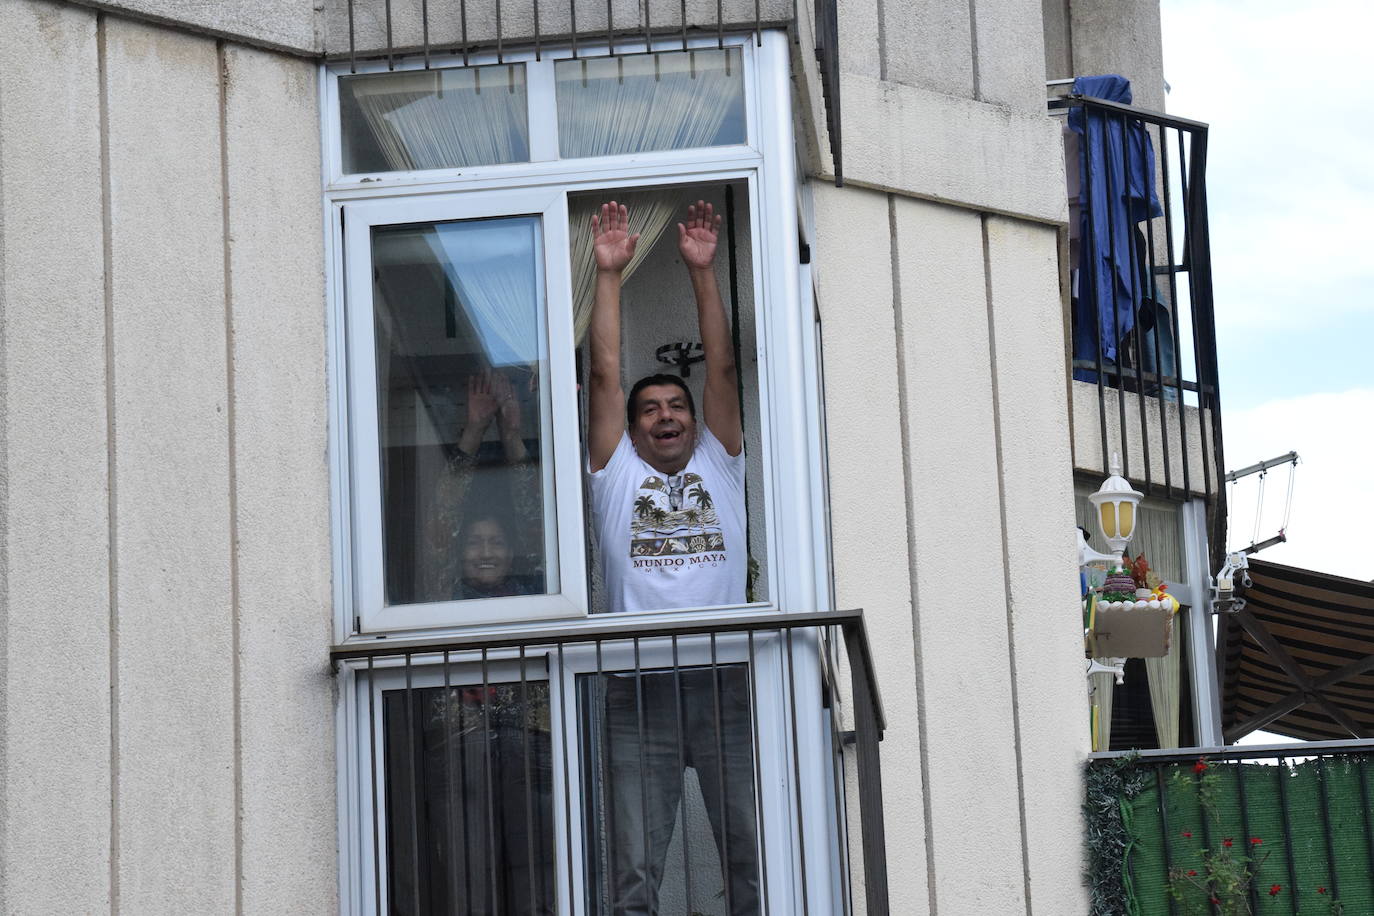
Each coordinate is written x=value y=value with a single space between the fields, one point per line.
x=1274 y=891
x=1191 y=873
x=1214 y=901
x=1226 y=842
x=1188 y=833
x=1200 y=765
x=1255 y=841
x=1321 y=890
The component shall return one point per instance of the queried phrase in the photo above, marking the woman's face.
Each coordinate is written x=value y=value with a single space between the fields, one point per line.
x=487 y=554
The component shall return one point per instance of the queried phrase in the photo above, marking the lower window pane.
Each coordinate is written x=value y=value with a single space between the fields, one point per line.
x=668 y=783
x=469 y=800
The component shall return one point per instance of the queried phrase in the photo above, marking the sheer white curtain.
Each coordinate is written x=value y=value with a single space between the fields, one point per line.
x=676 y=100
x=430 y=119
x=1163 y=676
x=651 y=212
x=491 y=264
x=1103 y=685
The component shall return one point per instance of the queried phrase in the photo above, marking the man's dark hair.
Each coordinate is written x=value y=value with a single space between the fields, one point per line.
x=660 y=379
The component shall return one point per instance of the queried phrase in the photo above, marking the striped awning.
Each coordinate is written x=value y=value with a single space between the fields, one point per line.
x=1298 y=658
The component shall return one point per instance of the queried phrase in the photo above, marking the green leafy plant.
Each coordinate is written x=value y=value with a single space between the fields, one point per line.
x=1223 y=873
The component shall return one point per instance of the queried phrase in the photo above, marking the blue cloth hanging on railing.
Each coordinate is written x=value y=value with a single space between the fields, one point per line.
x=1116 y=163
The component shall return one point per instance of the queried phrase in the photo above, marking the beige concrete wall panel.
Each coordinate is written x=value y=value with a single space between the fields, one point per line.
x=288 y=24
x=868 y=497
x=54 y=574
x=1058 y=50
x=175 y=667
x=861 y=37
x=924 y=144
x=517 y=22
x=927 y=43
x=1120 y=36
x=1011 y=54
x=1037 y=490
x=1167 y=441
x=281 y=484
x=957 y=532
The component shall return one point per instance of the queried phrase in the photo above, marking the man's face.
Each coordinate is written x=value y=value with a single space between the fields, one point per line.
x=664 y=431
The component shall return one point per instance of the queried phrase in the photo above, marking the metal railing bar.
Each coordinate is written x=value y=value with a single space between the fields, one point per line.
x=1245 y=825
x=1160 y=785
x=376 y=827
x=1245 y=752
x=841 y=814
x=796 y=767
x=567 y=787
x=1281 y=773
x=529 y=782
x=1130 y=373
x=1120 y=393
x=1194 y=311
x=870 y=775
x=605 y=766
x=352 y=42
x=1325 y=797
x=414 y=789
x=716 y=714
x=424 y=29
x=1174 y=304
x=758 y=775
x=451 y=730
x=682 y=772
x=1133 y=255
x=1074 y=100
x=1087 y=275
x=1151 y=295
x=390 y=44
x=490 y=796
x=650 y=904
x=538 y=44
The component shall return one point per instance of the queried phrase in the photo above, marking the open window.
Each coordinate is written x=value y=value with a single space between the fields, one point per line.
x=462 y=198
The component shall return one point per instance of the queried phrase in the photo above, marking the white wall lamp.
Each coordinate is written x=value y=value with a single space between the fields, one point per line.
x=1116 y=502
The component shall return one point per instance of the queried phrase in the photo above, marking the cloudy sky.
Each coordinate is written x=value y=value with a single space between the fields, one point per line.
x=1290 y=184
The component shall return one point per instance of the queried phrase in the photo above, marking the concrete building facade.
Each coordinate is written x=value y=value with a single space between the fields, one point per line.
x=169 y=716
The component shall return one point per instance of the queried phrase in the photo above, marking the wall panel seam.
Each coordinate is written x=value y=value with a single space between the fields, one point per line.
x=232 y=447
x=973 y=50
x=1006 y=561
x=111 y=458
x=899 y=332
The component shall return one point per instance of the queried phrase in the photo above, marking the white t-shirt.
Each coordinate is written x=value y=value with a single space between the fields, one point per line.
x=671 y=542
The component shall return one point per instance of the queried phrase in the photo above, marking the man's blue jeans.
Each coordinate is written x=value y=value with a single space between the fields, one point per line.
x=653 y=732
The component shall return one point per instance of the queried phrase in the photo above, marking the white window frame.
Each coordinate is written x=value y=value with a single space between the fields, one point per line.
x=787 y=361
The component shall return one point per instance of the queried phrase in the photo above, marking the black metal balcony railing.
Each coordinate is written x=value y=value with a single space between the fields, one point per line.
x=1158 y=399
x=1238 y=830
x=515 y=774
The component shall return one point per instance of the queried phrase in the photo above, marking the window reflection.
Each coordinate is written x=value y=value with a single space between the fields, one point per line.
x=464 y=414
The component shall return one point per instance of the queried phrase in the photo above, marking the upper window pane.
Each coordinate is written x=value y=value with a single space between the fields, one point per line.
x=674 y=100
x=434 y=119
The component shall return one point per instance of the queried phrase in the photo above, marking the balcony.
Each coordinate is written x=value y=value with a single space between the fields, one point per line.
x=1139 y=290
x=1233 y=831
x=686 y=768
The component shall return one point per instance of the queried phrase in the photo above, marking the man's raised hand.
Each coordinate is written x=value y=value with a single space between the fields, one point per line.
x=611 y=240
x=697 y=239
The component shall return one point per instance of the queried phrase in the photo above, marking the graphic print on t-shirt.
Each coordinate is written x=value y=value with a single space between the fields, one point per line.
x=675 y=517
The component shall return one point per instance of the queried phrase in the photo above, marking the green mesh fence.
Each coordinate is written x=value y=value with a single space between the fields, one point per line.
x=1305 y=830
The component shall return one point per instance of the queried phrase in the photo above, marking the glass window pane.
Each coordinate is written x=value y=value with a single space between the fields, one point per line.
x=469 y=800
x=434 y=119
x=463 y=412
x=672 y=100
x=668 y=783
